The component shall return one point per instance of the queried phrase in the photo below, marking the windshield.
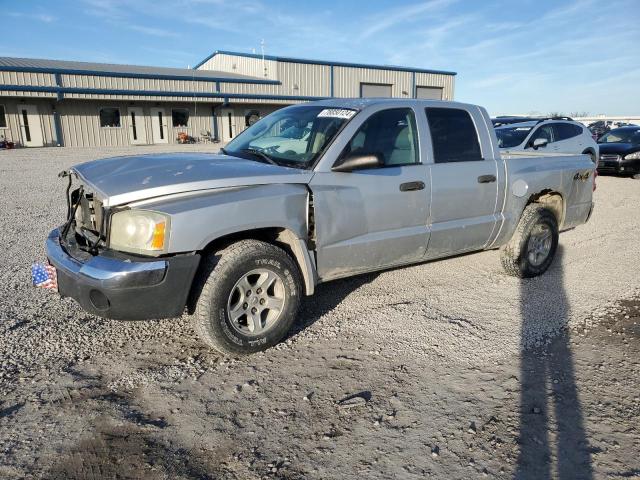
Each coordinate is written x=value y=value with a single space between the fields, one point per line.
x=293 y=136
x=509 y=137
x=621 y=135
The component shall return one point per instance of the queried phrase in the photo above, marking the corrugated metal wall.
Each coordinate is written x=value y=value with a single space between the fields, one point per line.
x=253 y=67
x=446 y=82
x=297 y=79
x=81 y=122
x=315 y=80
x=26 y=78
x=144 y=84
x=347 y=81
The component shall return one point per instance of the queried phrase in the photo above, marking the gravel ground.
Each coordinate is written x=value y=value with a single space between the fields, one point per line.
x=455 y=369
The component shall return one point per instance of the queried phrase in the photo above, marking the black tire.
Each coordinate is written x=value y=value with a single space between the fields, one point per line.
x=219 y=278
x=515 y=254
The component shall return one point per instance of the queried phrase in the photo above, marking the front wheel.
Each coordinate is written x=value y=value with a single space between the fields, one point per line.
x=249 y=298
x=530 y=251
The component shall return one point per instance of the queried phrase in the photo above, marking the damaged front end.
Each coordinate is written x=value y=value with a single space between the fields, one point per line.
x=86 y=222
x=107 y=282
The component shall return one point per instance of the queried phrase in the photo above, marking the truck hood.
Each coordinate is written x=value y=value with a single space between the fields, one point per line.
x=121 y=180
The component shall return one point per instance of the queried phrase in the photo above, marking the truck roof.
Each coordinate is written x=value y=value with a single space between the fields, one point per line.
x=361 y=103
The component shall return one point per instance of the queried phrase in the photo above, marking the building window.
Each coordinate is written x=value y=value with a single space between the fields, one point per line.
x=180 y=117
x=3 y=117
x=109 y=117
x=251 y=117
x=375 y=90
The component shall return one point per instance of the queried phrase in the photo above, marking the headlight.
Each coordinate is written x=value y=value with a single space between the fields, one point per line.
x=633 y=156
x=139 y=231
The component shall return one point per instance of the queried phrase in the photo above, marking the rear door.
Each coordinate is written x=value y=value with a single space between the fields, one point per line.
x=464 y=182
x=376 y=217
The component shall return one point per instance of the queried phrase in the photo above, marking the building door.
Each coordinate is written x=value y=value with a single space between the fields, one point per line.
x=228 y=124
x=30 y=126
x=137 y=131
x=429 y=93
x=159 y=126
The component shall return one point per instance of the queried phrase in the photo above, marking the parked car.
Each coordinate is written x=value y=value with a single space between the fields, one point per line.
x=291 y=140
x=551 y=135
x=508 y=119
x=620 y=151
x=599 y=128
x=238 y=238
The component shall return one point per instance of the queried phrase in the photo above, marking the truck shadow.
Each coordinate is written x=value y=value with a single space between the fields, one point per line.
x=327 y=297
x=552 y=437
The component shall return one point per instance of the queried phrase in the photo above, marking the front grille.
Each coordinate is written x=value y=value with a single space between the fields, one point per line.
x=609 y=157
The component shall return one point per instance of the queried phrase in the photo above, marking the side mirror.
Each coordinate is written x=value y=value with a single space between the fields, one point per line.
x=539 y=143
x=358 y=162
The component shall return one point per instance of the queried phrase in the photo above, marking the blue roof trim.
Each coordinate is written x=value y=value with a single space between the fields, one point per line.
x=323 y=62
x=153 y=93
x=101 y=73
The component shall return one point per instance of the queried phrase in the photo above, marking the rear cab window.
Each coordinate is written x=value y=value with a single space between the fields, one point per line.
x=453 y=135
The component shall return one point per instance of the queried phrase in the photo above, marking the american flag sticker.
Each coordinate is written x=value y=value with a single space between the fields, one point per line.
x=44 y=276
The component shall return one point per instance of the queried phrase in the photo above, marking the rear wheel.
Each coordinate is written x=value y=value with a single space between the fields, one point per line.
x=530 y=251
x=250 y=295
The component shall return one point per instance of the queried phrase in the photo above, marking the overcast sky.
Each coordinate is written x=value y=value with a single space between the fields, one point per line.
x=516 y=56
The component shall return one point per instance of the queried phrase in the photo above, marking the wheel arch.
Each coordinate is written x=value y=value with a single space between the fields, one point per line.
x=552 y=200
x=591 y=152
x=281 y=237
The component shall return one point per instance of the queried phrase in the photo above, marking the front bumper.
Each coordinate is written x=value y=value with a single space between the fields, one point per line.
x=125 y=287
x=618 y=165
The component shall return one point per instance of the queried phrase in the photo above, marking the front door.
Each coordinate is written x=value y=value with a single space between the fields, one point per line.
x=30 y=126
x=465 y=185
x=137 y=131
x=376 y=217
x=159 y=125
x=228 y=124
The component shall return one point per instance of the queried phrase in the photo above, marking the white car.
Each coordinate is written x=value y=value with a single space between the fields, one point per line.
x=548 y=135
x=291 y=141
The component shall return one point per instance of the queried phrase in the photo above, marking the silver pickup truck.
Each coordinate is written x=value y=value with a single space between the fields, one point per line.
x=237 y=238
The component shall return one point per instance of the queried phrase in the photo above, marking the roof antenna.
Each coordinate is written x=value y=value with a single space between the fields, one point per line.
x=264 y=66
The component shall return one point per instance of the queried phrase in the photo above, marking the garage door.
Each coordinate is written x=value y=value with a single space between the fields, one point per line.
x=375 y=90
x=432 y=93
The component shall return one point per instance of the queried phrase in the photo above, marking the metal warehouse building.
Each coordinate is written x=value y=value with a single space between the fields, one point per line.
x=66 y=103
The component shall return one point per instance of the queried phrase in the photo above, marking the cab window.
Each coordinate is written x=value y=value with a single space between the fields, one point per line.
x=391 y=134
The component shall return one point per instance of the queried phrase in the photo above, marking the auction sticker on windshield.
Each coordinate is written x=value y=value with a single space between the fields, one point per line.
x=337 y=113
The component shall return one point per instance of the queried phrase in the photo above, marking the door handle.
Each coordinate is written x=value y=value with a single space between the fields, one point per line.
x=411 y=186
x=486 y=178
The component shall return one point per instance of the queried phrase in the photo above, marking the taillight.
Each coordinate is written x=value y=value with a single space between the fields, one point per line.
x=595 y=174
